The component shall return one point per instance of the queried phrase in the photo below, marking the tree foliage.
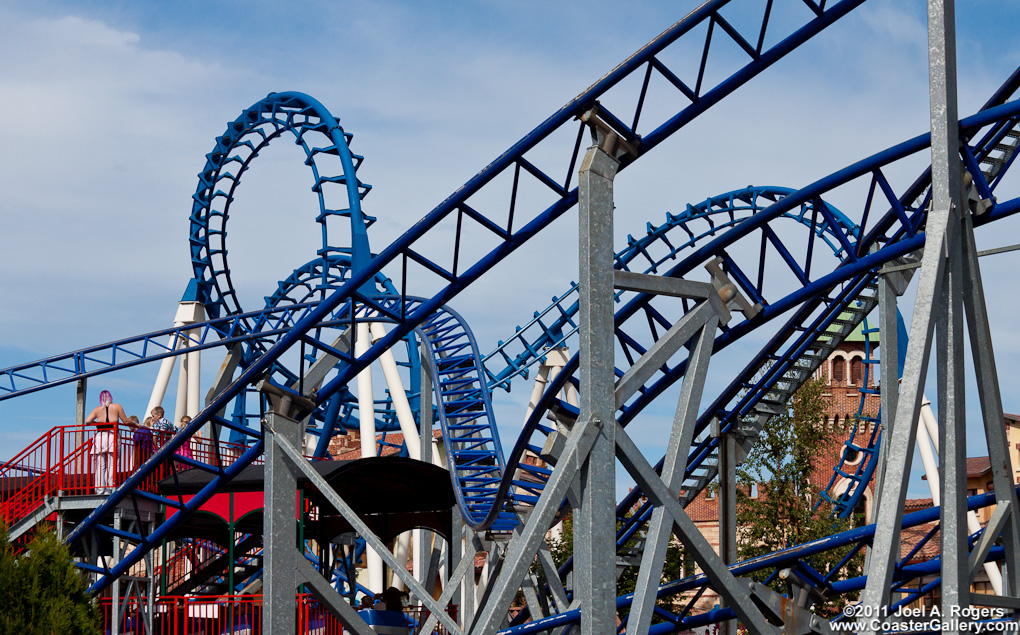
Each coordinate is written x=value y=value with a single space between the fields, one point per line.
x=781 y=465
x=42 y=592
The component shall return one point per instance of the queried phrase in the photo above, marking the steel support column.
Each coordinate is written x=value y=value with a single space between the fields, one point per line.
x=680 y=440
x=727 y=512
x=118 y=515
x=738 y=593
x=885 y=550
x=280 y=527
x=947 y=187
x=595 y=520
x=890 y=287
x=296 y=461
x=522 y=549
x=991 y=407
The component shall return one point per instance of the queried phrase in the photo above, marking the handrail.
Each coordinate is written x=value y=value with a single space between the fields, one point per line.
x=60 y=462
x=229 y=614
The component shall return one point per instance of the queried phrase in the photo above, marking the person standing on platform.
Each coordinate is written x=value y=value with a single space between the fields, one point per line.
x=106 y=416
x=164 y=429
x=185 y=449
x=142 y=440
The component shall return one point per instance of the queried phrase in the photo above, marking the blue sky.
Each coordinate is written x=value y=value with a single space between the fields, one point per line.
x=109 y=109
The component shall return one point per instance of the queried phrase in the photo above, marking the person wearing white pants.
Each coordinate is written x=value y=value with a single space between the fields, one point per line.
x=104 y=446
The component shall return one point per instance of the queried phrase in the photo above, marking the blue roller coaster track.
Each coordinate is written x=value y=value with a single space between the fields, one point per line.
x=778 y=264
x=354 y=295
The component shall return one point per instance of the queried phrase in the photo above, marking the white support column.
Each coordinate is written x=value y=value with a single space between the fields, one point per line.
x=188 y=312
x=403 y=546
x=366 y=414
x=423 y=541
x=927 y=438
x=366 y=399
x=181 y=403
x=397 y=393
x=166 y=369
x=194 y=379
x=537 y=390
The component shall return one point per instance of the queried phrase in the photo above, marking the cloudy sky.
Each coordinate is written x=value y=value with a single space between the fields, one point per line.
x=108 y=109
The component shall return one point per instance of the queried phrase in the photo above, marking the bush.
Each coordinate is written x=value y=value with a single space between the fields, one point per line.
x=42 y=592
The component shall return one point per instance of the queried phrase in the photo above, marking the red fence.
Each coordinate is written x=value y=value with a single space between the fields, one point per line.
x=66 y=461
x=237 y=615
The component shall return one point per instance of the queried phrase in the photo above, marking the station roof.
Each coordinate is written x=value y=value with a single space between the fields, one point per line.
x=390 y=494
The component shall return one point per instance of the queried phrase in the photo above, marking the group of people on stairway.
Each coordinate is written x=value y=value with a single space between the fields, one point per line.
x=106 y=416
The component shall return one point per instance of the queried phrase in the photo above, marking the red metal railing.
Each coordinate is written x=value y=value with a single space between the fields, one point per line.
x=191 y=556
x=239 y=615
x=63 y=461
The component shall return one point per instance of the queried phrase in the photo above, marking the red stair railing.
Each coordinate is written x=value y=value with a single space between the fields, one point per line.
x=61 y=462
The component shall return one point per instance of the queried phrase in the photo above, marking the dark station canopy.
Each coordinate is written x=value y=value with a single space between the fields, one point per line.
x=390 y=494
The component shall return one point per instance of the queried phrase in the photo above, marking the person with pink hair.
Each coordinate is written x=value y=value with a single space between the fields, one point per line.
x=106 y=416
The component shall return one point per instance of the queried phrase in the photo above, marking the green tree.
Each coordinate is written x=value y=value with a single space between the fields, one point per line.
x=42 y=592
x=781 y=467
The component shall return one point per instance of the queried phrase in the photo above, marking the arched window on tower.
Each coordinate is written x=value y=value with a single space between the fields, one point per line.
x=839 y=371
x=857 y=371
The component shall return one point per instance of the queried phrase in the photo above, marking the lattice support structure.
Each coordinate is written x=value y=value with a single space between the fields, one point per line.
x=949 y=286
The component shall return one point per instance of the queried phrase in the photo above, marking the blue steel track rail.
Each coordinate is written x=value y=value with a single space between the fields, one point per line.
x=474 y=455
x=998 y=156
x=553 y=326
x=308 y=121
x=61 y=369
x=465 y=270
x=853 y=273
x=652 y=253
x=898 y=234
x=791 y=557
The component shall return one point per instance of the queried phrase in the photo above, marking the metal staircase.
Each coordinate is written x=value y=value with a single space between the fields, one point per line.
x=774 y=402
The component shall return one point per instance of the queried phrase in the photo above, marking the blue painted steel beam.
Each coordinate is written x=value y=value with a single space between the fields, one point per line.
x=847 y=271
x=777 y=560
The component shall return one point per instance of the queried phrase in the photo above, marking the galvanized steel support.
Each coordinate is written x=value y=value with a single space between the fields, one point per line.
x=890 y=287
x=334 y=602
x=727 y=511
x=115 y=589
x=595 y=519
x=453 y=583
x=915 y=366
x=521 y=549
x=680 y=439
x=280 y=527
x=297 y=462
x=737 y=592
x=947 y=188
x=992 y=414
x=949 y=284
